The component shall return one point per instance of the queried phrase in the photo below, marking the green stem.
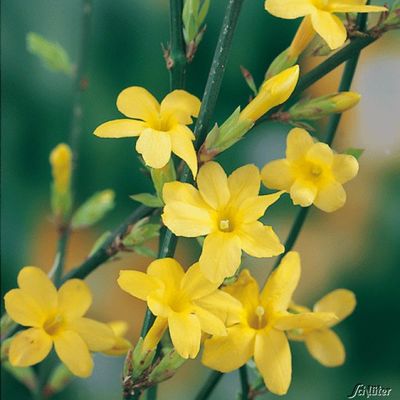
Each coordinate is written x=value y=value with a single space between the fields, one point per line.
x=177 y=56
x=244 y=381
x=58 y=267
x=209 y=386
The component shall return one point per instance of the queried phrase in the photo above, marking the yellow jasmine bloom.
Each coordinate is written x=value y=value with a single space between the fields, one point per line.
x=54 y=318
x=61 y=167
x=262 y=322
x=121 y=345
x=320 y=14
x=312 y=173
x=226 y=210
x=185 y=302
x=161 y=127
x=323 y=343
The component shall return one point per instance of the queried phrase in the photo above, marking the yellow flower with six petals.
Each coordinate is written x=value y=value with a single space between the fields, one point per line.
x=262 y=322
x=312 y=173
x=323 y=343
x=319 y=14
x=185 y=302
x=226 y=209
x=161 y=127
x=55 y=318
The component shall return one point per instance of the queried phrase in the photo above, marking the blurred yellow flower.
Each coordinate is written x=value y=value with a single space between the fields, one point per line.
x=311 y=172
x=227 y=211
x=161 y=127
x=320 y=15
x=61 y=167
x=323 y=343
x=54 y=317
x=185 y=302
x=121 y=345
x=273 y=91
x=262 y=322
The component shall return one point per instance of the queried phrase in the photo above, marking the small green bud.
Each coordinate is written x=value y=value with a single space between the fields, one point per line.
x=99 y=242
x=93 y=209
x=163 y=175
x=59 y=378
x=167 y=367
x=147 y=199
x=52 y=55
x=313 y=109
x=138 y=361
x=280 y=63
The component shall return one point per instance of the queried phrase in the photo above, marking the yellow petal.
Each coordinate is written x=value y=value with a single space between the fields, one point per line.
x=120 y=348
x=298 y=142
x=213 y=185
x=118 y=327
x=183 y=147
x=185 y=334
x=331 y=197
x=309 y=320
x=119 y=128
x=158 y=303
x=243 y=183
x=74 y=298
x=168 y=271
x=183 y=192
x=210 y=323
x=320 y=153
x=326 y=347
x=74 y=353
x=273 y=359
x=259 y=240
x=137 y=284
x=254 y=208
x=36 y=283
x=246 y=290
x=342 y=302
x=277 y=174
x=303 y=192
x=354 y=7
x=180 y=106
x=155 y=147
x=220 y=257
x=344 y=168
x=281 y=284
x=186 y=220
x=23 y=309
x=136 y=102
x=329 y=27
x=289 y=9
x=195 y=284
x=97 y=336
x=29 y=347
x=155 y=334
x=227 y=353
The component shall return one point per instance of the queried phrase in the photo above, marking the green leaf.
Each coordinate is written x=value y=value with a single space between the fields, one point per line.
x=93 y=210
x=52 y=54
x=99 y=242
x=203 y=11
x=59 y=378
x=147 y=199
x=144 y=251
x=141 y=232
x=355 y=152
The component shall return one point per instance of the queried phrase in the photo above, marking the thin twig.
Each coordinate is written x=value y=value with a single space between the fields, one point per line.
x=209 y=386
x=244 y=382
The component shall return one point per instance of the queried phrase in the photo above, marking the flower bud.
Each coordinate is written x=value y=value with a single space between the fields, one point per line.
x=163 y=175
x=166 y=367
x=61 y=169
x=58 y=380
x=319 y=107
x=283 y=61
x=138 y=360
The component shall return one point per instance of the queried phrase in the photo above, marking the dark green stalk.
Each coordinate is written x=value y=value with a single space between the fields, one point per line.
x=177 y=56
x=58 y=267
x=244 y=382
x=209 y=386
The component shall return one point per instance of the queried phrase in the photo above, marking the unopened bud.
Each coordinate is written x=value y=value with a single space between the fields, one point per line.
x=163 y=175
x=140 y=233
x=166 y=367
x=281 y=62
x=323 y=106
x=138 y=360
x=248 y=77
x=58 y=380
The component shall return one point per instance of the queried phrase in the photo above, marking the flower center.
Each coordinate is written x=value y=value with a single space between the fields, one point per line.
x=315 y=171
x=225 y=225
x=258 y=319
x=53 y=324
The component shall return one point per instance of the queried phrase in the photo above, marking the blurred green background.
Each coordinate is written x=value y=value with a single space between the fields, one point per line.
x=356 y=247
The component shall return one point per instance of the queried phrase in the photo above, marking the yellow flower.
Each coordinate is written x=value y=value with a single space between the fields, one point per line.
x=227 y=211
x=186 y=303
x=61 y=166
x=311 y=172
x=121 y=345
x=55 y=318
x=323 y=343
x=273 y=91
x=262 y=322
x=320 y=14
x=161 y=127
